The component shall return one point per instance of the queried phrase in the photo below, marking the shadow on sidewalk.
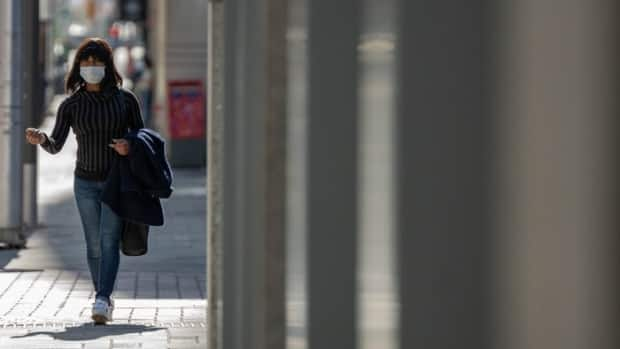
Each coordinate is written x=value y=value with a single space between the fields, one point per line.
x=87 y=332
x=6 y=255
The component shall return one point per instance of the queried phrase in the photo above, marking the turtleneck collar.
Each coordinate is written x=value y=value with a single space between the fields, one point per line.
x=98 y=96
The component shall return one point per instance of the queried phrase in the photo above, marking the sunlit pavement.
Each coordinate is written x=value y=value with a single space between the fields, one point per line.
x=46 y=292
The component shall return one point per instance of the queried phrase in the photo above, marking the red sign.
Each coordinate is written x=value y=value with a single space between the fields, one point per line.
x=186 y=109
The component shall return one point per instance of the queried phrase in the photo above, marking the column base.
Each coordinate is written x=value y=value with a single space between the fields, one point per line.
x=12 y=238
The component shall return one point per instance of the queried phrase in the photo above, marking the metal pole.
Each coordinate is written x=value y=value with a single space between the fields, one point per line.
x=215 y=100
x=31 y=107
x=11 y=127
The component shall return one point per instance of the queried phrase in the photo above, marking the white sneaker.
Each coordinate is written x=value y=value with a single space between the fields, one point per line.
x=102 y=311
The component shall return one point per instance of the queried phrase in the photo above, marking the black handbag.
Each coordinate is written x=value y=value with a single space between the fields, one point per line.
x=134 y=238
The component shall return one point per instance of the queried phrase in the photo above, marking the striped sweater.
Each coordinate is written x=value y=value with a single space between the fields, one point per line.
x=96 y=118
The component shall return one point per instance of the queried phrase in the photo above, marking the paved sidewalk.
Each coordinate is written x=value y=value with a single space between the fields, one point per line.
x=46 y=292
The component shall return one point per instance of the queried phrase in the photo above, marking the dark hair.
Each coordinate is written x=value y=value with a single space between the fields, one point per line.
x=100 y=50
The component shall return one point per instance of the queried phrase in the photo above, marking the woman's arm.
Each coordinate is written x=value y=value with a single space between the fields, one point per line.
x=134 y=112
x=134 y=123
x=54 y=142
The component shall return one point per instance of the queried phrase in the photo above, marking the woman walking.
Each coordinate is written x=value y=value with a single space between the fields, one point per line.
x=100 y=113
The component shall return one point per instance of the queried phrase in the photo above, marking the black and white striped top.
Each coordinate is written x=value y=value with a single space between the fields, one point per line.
x=96 y=118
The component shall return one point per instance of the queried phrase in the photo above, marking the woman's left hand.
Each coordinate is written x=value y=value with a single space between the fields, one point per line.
x=121 y=146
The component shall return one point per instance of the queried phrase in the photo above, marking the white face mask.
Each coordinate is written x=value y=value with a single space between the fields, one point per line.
x=93 y=74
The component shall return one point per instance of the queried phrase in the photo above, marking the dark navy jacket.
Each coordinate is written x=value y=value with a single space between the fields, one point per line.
x=138 y=181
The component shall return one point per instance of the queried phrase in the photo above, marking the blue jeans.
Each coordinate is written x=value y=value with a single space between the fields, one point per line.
x=102 y=231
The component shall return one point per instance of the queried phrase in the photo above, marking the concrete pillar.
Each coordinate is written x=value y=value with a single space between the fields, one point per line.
x=11 y=123
x=276 y=22
x=233 y=213
x=297 y=164
x=333 y=33
x=253 y=178
x=508 y=174
x=557 y=162
x=377 y=272
x=31 y=105
x=442 y=190
x=215 y=157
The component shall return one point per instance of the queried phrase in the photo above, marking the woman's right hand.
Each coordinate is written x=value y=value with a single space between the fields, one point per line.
x=35 y=136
